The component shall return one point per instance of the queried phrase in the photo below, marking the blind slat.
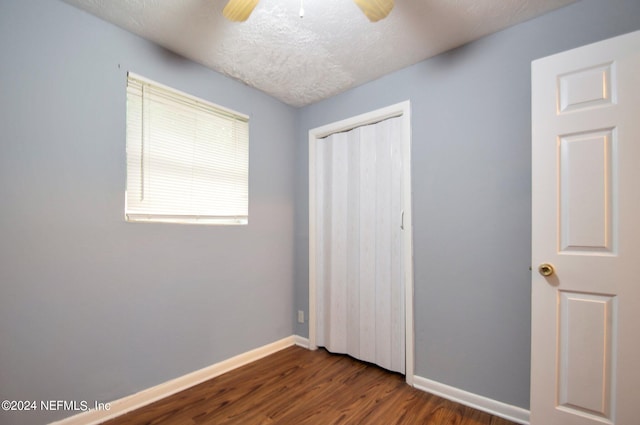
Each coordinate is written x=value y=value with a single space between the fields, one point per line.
x=187 y=159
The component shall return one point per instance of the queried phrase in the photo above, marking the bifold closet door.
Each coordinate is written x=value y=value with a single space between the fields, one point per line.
x=360 y=295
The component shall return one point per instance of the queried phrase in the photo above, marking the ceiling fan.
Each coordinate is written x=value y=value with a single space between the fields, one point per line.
x=239 y=10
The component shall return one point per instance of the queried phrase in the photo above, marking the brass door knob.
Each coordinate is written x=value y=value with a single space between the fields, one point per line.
x=546 y=269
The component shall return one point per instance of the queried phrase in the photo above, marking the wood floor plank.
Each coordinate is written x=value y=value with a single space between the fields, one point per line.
x=301 y=387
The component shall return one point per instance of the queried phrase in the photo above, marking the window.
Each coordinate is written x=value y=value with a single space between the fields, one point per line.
x=187 y=159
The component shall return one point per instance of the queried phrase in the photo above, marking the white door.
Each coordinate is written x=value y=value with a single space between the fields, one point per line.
x=359 y=253
x=586 y=227
x=360 y=262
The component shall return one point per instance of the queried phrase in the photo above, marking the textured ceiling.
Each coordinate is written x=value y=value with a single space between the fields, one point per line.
x=333 y=48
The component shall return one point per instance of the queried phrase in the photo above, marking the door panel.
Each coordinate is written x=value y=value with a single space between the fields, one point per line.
x=587 y=330
x=586 y=196
x=585 y=88
x=585 y=223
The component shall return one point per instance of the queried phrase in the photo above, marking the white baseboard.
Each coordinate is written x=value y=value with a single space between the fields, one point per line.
x=497 y=408
x=135 y=401
x=301 y=341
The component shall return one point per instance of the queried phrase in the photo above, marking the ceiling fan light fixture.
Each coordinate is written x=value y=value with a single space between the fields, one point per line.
x=239 y=10
x=375 y=10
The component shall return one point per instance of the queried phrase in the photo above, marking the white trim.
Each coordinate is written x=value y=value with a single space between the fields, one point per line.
x=399 y=109
x=402 y=109
x=301 y=341
x=135 y=401
x=494 y=407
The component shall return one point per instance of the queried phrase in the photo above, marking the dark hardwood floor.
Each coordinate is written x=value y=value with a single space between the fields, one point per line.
x=301 y=387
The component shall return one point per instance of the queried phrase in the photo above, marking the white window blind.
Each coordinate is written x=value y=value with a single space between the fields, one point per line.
x=187 y=159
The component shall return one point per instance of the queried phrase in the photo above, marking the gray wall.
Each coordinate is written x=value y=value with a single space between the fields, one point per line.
x=92 y=307
x=471 y=193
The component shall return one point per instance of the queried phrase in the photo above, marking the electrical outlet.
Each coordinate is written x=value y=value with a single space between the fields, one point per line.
x=300 y=316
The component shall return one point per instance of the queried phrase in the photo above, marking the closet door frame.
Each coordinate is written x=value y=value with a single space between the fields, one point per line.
x=402 y=109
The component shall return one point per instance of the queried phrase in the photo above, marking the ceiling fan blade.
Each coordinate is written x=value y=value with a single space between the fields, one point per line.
x=239 y=10
x=375 y=9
